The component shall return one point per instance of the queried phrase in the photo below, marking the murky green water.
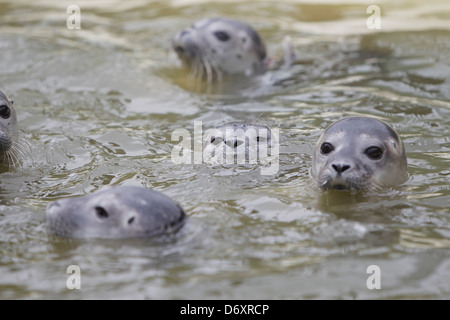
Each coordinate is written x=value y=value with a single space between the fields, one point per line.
x=98 y=106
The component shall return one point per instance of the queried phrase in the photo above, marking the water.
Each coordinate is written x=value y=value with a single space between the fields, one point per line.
x=98 y=106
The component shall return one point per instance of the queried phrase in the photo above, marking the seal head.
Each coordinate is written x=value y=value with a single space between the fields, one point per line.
x=238 y=143
x=218 y=46
x=118 y=212
x=8 y=128
x=359 y=153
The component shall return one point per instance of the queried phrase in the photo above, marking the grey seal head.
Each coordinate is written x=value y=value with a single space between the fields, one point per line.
x=238 y=143
x=217 y=46
x=8 y=130
x=118 y=212
x=358 y=153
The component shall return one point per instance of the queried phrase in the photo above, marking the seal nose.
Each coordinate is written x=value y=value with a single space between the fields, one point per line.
x=340 y=167
x=178 y=48
x=178 y=43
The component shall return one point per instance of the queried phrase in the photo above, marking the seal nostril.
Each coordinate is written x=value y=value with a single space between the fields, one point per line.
x=340 y=168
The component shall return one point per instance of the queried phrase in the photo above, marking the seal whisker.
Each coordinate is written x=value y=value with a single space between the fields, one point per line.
x=194 y=70
x=14 y=155
x=199 y=70
x=217 y=71
x=373 y=187
x=4 y=159
x=209 y=72
x=23 y=148
x=17 y=150
x=12 y=158
x=191 y=72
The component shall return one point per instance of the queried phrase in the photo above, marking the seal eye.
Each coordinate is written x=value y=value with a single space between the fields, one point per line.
x=222 y=36
x=374 y=153
x=101 y=213
x=326 y=148
x=5 y=111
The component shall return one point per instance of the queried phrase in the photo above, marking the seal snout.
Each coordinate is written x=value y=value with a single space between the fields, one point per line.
x=5 y=141
x=340 y=175
x=179 y=49
x=178 y=46
x=179 y=42
x=340 y=167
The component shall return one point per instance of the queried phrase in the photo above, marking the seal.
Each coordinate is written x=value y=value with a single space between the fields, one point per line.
x=8 y=131
x=218 y=46
x=358 y=153
x=237 y=143
x=118 y=212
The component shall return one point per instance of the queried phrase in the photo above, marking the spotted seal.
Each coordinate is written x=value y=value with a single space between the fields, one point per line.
x=118 y=212
x=218 y=46
x=359 y=153
x=8 y=131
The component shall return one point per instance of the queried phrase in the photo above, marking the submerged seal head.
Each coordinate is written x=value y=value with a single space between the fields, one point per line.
x=221 y=46
x=238 y=143
x=359 y=153
x=8 y=129
x=118 y=212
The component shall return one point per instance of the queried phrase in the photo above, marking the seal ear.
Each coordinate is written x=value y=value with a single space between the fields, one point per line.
x=395 y=146
x=11 y=101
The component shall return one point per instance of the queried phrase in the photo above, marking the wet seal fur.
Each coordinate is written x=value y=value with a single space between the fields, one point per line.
x=118 y=212
x=359 y=153
x=218 y=46
x=8 y=131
